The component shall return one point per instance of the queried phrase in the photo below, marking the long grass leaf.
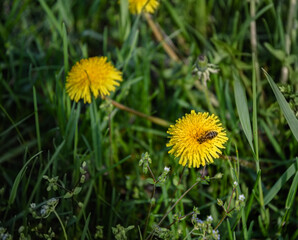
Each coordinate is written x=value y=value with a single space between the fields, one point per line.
x=16 y=151
x=65 y=48
x=292 y=192
x=53 y=158
x=14 y=125
x=242 y=109
x=251 y=198
x=279 y=183
x=285 y=107
x=36 y=119
x=18 y=179
x=51 y=16
x=86 y=227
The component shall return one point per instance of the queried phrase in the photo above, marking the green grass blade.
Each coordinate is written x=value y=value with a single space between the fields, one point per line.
x=96 y=134
x=36 y=120
x=242 y=109
x=18 y=179
x=249 y=233
x=245 y=233
x=273 y=141
x=251 y=198
x=230 y=233
x=51 y=16
x=289 y=202
x=15 y=125
x=65 y=48
x=53 y=158
x=85 y=227
x=113 y=166
x=292 y=192
x=280 y=182
x=16 y=151
x=285 y=107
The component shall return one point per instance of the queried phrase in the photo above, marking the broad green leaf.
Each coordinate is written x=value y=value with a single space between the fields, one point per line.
x=242 y=109
x=285 y=107
x=279 y=183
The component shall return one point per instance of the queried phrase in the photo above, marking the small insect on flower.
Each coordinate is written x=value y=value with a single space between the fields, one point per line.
x=196 y=139
x=207 y=136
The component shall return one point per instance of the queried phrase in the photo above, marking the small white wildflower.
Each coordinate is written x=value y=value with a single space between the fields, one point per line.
x=166 y=169
x=32 y=205
x=209 y=219
x=44 y=210
x=241 y=198
x=235 y=184
x=216 y=234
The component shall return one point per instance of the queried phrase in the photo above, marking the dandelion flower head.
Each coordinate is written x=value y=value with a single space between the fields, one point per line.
x=93 y=76
x=196 y=139
x=136 y=6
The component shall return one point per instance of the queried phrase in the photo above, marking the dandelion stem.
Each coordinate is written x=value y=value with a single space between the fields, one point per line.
x=61 y=223
x=155 y=120
x=159 y=36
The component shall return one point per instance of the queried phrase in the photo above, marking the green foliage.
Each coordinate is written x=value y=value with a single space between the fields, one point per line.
x=71 y=170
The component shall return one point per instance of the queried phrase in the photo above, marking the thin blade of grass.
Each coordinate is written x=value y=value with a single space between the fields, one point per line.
x=65 y=48
x=36 y=120
x=249 y=233
x=279 y=183
x=53 y=158
x=230 y=233
x=18 y=179
x=85 y=227
x=242 y=109
x=251 y=198
x=284 y=105
x=15 y=125
x=292 y=192
x=16 y=151
x=290 y=200
x=273 y=141
x=51 y=16
x=96 y=134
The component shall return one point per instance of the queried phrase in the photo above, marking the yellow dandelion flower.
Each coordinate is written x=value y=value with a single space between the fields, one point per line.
x=196 y=139
x=92 y=76
x=136 y=6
